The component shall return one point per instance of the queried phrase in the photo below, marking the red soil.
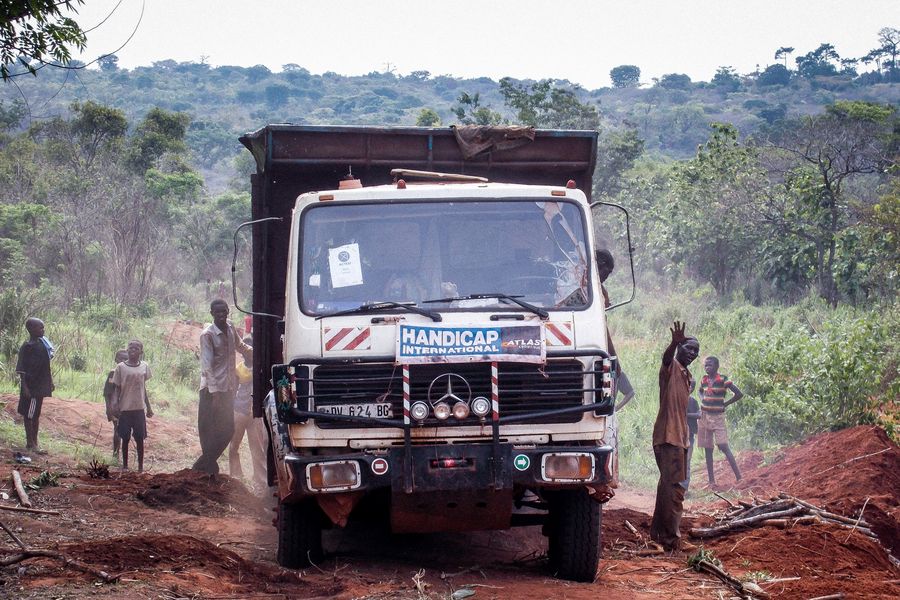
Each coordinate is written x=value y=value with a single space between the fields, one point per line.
x=841 y=471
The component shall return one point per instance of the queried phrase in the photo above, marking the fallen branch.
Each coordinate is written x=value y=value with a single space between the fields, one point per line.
x=67 y=562
x=779 y=580
x=854 y=459
x=730 y=503
x=29 y=510
x=708 y=567
x=837 y=596
x=20 y=489
x=704 y=532
x=824 y=513
x=12 y=535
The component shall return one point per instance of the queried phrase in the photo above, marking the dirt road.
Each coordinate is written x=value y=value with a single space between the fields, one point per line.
x=173 y=533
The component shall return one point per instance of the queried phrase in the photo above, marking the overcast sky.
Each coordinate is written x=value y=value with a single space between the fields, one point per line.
x=578 y=40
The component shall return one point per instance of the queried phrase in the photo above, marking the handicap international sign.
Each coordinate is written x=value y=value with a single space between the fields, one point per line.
x=509 y=343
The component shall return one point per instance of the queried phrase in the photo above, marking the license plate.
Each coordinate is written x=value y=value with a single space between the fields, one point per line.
x=380 y=410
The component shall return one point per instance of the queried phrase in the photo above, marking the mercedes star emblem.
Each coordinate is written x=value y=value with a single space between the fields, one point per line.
x=452 y=387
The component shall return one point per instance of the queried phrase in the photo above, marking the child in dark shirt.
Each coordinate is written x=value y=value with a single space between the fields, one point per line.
x=35 y=379
x=111 y=400
x=693 y=416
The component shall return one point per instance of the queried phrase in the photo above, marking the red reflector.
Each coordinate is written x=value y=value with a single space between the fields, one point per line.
x=570 y=184
x=326 y=197
x=557 y=193
x=451 y=463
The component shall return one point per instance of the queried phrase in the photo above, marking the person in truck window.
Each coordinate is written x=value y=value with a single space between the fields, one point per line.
x=35 y=380
x=605 y=266
x=670 y=436
x=130 y=379
x=712 y=429
x=218 y=385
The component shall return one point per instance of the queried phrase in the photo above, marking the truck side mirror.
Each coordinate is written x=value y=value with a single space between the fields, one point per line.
x=612 y=232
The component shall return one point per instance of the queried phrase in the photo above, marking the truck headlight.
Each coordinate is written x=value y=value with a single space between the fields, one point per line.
x=419 y=411
x=333 y=476
x=567 y=467
x=442 y=410
x=460 y=410
x=481 y=406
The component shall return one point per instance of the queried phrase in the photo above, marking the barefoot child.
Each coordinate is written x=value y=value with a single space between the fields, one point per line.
x=109 y=397
x=130 y=378
x=712 y=428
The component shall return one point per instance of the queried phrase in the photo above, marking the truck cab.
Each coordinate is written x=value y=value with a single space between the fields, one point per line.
x=441 y=353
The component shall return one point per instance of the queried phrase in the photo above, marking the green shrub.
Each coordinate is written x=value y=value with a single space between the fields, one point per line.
x=77 y=362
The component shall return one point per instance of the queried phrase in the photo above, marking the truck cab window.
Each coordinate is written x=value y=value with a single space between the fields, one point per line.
x=412 y=252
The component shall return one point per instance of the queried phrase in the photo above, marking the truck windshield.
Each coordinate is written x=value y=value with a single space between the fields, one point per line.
x=354 y=254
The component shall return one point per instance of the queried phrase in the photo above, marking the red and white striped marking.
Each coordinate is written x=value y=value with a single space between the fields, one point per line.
x=495 y=393
x=559 y=334
x=347 y=338
x=406 y=394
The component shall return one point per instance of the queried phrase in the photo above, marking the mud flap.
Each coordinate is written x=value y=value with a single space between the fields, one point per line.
x=459 y=510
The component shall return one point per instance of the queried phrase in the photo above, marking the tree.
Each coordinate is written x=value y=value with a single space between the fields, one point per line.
x=625 y=76
x=812 y=162
x=38 y=31
x=774 y=75
x=726 y=79
x=470 y=112
x=675 y=81
x=108 y=63
x=428 y=118
x=277 y=95
x=783 y=53
x=704 y=227
x=544 y=104
x=819 y=62
x=12 y=115
x=885 y=55
x=160 y=132
x=616 y=154
x=257 y=73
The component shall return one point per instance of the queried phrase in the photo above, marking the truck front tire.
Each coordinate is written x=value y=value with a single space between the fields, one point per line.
x=299 y=534
x=574 y=535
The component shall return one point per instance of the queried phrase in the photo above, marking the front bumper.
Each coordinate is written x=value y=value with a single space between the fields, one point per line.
x=448 y=468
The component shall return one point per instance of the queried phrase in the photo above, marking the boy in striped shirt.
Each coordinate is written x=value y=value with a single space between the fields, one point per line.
x=712 y=428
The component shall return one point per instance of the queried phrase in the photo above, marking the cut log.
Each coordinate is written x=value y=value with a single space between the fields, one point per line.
x=20 y=489
x=702 y=532
x=768 y=508
x=824 y=513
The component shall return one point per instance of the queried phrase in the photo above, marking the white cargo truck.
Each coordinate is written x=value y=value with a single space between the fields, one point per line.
x=430 y=338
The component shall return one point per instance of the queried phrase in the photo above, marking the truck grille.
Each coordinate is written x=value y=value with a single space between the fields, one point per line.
x=523 y=388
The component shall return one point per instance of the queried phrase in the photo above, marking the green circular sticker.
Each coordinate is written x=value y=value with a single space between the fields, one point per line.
x=522 y=462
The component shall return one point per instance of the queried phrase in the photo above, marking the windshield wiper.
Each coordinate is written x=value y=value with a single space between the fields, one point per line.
x=496 y=296
x=376 y=306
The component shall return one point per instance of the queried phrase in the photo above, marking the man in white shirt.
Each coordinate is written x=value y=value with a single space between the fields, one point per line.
x=218 y=386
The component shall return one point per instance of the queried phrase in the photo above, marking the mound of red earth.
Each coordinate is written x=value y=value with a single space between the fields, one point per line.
x=184 y=335
x=183 y=559
x=841 y=471
x=197 y=493
x=814 y=560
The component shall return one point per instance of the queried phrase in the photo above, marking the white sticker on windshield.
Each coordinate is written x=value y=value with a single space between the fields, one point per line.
x=343 y=262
